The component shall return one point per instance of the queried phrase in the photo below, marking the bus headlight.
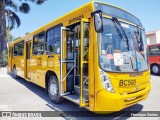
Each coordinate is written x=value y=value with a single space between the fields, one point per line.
x=106 y=83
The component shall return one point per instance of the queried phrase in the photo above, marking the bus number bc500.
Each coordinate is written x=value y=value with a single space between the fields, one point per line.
x=131 y=82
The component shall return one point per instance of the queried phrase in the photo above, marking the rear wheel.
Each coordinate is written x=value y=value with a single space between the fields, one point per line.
x=15 y=73
x=53 y=90
x=155 y=69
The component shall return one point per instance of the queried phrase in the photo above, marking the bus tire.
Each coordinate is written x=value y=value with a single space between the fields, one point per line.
x=53 y=90
x=155 y=69
x=15 y=73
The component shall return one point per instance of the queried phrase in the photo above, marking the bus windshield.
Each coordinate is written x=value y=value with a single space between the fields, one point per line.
x=117 y=54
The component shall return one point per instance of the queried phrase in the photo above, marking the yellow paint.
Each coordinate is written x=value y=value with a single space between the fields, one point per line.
x=35 y=68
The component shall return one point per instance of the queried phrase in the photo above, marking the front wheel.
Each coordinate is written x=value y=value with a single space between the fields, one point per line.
x=53 y=90
x=155 y=69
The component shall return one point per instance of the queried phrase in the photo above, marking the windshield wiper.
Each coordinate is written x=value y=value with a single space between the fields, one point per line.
x=123 y=35
x=139 y=37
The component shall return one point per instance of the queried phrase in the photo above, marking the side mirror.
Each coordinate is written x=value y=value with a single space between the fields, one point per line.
x=98 y=21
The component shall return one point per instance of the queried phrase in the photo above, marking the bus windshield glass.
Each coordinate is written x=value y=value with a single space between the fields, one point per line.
x=118 y=54
x=117 y=12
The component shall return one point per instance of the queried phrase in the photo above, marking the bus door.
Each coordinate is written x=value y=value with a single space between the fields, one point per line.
x=67 y=62
x=28 y=56
x=84 y=52
x=74 y=62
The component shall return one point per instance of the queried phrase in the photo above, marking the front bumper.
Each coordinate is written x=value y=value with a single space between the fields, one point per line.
x=112 y=102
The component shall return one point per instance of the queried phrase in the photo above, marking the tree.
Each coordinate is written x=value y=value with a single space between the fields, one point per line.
x=8 y=9
x=2 y=26
x=10 y=37
x=4 y=54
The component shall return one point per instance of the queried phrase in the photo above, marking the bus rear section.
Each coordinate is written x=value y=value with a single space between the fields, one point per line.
x=154 y=58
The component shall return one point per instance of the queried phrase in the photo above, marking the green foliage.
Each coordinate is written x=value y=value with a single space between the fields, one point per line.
x=10 y=37
x=11 y=7
x=4 y=58
x=27 y=33
x=8 y=9
x=16 y=38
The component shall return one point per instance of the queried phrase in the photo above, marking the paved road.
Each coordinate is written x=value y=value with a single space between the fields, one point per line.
x=20 y=95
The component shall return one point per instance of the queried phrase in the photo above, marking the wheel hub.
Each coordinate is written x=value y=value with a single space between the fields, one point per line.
x=53 y=89
x=155 y=69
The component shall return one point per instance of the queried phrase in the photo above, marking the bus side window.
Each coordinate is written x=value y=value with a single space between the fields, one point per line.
x=9 y=51
x=154 y=50
x=19 y=49
x=15 y=53
x=86 y=40
x=38 y=44
x=15 y=50
x=53 y=40
x=150 y=53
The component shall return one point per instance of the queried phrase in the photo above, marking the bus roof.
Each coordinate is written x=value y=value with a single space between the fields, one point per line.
x=91 y=4
x=114 y=6
x=15 y=41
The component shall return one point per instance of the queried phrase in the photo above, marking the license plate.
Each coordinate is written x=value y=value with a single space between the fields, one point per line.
x=131 y=82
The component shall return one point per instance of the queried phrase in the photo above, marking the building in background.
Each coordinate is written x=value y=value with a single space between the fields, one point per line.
x=153 y=37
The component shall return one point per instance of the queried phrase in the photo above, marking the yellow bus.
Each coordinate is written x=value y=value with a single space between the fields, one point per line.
x=94 y=56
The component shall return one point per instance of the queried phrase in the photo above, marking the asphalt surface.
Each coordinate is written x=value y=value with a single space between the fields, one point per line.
x=20 y=95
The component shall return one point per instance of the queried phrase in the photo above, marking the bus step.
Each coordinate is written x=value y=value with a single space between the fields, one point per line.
x=85 y=92
x=73 y=98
